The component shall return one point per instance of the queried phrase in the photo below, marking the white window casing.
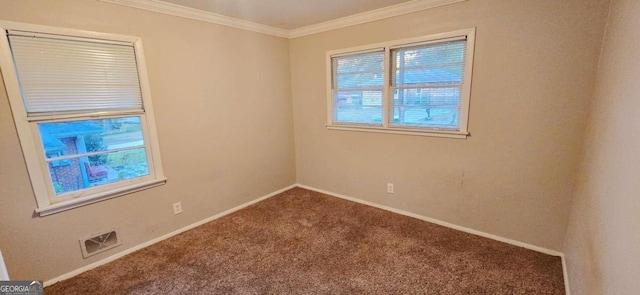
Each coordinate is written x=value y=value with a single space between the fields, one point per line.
x=82 y=76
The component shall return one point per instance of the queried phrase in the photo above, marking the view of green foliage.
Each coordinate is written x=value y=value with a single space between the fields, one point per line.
x=127 y=158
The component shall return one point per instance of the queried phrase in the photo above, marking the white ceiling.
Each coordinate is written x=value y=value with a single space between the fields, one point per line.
x=286 y=14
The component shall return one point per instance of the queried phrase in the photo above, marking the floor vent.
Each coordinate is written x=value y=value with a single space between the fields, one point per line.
x=99 y=243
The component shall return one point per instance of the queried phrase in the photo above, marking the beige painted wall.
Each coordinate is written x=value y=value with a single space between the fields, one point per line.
x=224 y=116
x=603 y=237
x=535 y=63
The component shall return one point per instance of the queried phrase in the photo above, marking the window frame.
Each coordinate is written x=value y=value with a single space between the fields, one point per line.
x=465 y=94
x=30 y=139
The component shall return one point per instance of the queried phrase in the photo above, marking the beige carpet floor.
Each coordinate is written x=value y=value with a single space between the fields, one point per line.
x=303 y=242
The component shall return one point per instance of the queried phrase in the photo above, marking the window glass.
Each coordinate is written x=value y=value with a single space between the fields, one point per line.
x=94 y=152
x=358 y=81
x=358 y=106
x=427 y=85
x=428 y=107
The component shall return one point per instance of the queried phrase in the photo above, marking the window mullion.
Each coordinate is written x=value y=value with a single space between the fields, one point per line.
x=62 y=158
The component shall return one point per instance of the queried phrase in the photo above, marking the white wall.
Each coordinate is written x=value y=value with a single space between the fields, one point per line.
x=603 y=237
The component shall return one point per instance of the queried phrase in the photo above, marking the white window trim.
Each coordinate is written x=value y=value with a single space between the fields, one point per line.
x=30 y=139
x=385 y=128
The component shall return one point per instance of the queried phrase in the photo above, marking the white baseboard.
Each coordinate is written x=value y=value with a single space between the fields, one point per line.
x=161 y=238
x=453 y=226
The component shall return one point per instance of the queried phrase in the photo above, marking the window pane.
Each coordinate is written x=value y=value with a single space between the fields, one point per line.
x=450 y=74
x=440 y=63
x=360 y=80
x=88 y=153
x=426 y=107
x=90 y=171
x=433 y=54
x=69 y=138
x=365 y=70
x=364 y=107
x=363 y=62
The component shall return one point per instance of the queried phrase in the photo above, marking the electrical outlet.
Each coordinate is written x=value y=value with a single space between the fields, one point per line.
x=177 y=208
x=390 y=188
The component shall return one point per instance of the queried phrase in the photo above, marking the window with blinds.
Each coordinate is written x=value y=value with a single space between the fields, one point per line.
x=412 y=86
x=426 y=84
x=358 y=81
x=82 y=108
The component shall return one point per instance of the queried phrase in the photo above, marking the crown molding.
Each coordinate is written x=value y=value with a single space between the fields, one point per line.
x=356 y=19
x=196 y=14
x=369 y=16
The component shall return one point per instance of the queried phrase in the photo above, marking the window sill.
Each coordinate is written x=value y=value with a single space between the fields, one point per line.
x=402 y=131
x=75 y=203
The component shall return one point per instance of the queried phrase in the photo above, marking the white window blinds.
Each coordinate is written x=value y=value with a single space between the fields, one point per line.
x=426 y=84
x=60 y=74
x=357 y=82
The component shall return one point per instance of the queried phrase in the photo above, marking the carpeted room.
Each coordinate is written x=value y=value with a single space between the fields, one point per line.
x=242 y=114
